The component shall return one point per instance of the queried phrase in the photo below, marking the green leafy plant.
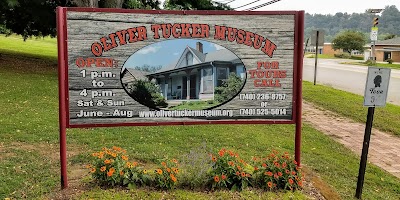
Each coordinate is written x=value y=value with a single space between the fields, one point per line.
x=277 y=172
x=165 y=177
x=229 y=88
x=108 y=166
x=229 y=171
x=148 y=93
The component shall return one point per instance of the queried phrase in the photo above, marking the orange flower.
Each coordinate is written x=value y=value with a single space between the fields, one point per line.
x=300 y=183
x=276 y=176
x=277 y=164
x=287 y=171
x=176 y=170
x=269 y=184
x=114 y=155
x=243 y=174
x=295 y=162
x=128 y=164
x=214 y=159
x=293 y=173
x=173 y=178
x=248 y=175
x=216 y=179
x=95 y=154
x=239 y=168
x=101 y=155
x=279 y=173
x=237 y=173
x=264 y=165
x=221 y=152
x=284 y=165
x=121 y=173
x=268 y=173
x=255 y=168
x=159 y=171
x=223 y=176
x=168 y=170
x=102 y=169
x=174 y=160
x=107 y=161
x=134 y=164
x=231 y=153
x=124 y=157
x=290 y=181
x=164 y=164
x=93 y=170
x=88 y=166
x=231 y=163
x=110 y=172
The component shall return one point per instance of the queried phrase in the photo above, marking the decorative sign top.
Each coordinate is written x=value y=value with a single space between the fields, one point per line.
x=149 y=68
x=376 y=88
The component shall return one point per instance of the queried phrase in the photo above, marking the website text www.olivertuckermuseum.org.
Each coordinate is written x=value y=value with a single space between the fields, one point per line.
x=186 y=113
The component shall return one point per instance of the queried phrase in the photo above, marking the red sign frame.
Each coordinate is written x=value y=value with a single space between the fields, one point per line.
x=63 y=76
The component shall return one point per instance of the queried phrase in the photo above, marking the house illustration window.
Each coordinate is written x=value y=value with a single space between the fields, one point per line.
x=189 y=59
x=222 y=74
x=207 y=80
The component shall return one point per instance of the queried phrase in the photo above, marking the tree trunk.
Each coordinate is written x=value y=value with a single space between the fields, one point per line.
x=87 y=3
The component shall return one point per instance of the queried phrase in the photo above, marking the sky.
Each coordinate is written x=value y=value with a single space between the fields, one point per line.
x=165 y=52
x=317 y=6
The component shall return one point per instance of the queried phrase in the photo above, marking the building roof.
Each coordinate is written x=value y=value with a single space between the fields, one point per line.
x=393 y=41
x=138 y=74
x=219 y=55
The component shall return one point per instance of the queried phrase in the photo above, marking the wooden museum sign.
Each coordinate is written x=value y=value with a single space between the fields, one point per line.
x=149 y=67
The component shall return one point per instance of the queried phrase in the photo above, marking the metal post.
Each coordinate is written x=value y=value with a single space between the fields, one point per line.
x=298 y=106
x=373 y=53
x=364 y=154
x=316 y=57
x=61 y=38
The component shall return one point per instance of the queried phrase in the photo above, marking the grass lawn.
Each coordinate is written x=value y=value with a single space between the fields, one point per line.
x=351 y=105
x=29 y=165
x=384 y=65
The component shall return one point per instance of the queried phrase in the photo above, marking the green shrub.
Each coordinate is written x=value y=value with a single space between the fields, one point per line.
x=277 y=172
x=229 y=171
x=390 y=61
x=147 y=93
x=210 y=101
x=369 y=62
x=357 y=57
x=230 y=88
x=342 y=55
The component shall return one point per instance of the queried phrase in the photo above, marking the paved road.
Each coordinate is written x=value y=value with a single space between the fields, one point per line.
x=350 y=78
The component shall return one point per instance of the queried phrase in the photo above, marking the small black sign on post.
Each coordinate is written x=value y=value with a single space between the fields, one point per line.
x=376 y=90
x=317 y=39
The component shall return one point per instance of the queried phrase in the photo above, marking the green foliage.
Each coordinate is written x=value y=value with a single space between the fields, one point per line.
x=342 y=55
x=390 y=61
x=369 y=63
x=195 y=5
x=229 y=88
x=142 y=4
x=349 y=40
x=229 y=171
x=389 y=36
x=165 y=177
x=277 y=172
x=148 y=68
x=147 y=93
x=357 y=57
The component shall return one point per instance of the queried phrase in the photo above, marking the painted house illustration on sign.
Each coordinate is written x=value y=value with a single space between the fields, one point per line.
x=193 y=76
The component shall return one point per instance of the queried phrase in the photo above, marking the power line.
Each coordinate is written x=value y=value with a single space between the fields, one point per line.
x=246 y=4
x=262 y=5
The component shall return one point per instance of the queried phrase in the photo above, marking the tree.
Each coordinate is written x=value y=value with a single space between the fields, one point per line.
x=349 y=40
x=390 y=36
x=195 y=5
x=148 y=68
x=148 y=94
x=229 y=88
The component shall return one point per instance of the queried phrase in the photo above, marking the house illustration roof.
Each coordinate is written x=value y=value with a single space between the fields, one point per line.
x=223 y=55
x=138 y=74
x=393 y=41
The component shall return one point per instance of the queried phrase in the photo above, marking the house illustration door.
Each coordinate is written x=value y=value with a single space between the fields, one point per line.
x=184 y=87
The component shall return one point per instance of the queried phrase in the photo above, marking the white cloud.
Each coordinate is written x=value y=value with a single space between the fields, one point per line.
x=176 y=53
x=149 y=49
